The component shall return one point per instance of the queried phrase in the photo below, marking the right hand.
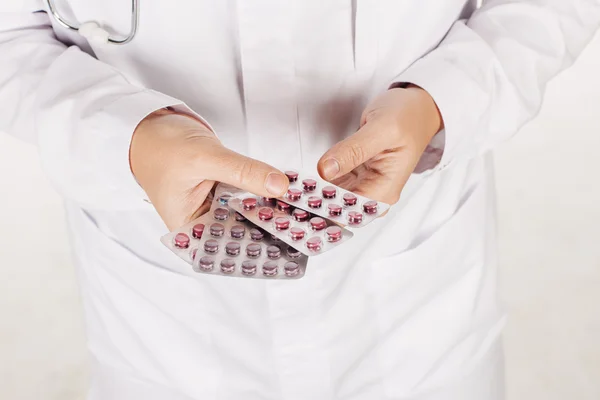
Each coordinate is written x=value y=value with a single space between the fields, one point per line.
x=177 y=160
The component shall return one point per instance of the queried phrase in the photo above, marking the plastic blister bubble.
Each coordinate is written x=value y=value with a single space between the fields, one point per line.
x=321 y=198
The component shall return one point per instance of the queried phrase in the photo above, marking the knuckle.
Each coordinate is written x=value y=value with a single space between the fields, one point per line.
x=244 y=170
x=355 y=155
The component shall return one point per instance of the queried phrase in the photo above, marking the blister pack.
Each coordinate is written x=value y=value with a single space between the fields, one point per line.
x=307 y=232
x=319 y=197
x=233 y=247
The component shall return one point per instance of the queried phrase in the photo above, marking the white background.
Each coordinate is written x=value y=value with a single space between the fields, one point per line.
x=549 y=198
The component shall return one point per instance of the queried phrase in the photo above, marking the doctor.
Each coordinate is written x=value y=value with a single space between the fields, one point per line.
x=212 y=91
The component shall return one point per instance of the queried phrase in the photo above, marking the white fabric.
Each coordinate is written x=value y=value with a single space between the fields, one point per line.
x=408 y=311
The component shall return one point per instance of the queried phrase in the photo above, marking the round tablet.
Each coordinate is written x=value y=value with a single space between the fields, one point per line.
x=334 y=210
x=314 y=202
x=181 y=241
x=354 y=217
x=217 y=229
x=211 y=246
x=249 y=203
x=269 y=268
x=292 y=175
x=285 y=207
x=221 y=214
x=269 y=201
x=318 y=223
x=293 y=253
x=329 y=192
x=309 y=185
x=265 y=214
x=253 y=250
x=291 y=268
x=206 y=263
x=224 y=198
x=239 y=217
x=273 y=252
x=256 y=234
x=197 y=231
x=294 y=194
x=349 y=199
x=232 y=248
x=282 y=223
x=237 y=231
x=249 y=267
x=227 y=266
x=297 y=233
x=300 y=215
x=370 y=207
x=334 y=233
x=314 y=243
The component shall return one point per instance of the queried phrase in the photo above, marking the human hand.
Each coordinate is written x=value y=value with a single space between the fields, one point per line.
x=379 y=158
x=177 y=160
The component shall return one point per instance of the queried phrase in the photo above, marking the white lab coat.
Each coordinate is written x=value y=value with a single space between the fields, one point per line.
x=408 y=310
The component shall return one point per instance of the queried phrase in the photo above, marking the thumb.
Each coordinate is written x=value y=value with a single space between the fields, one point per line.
x=246 y=173
x=370 y=140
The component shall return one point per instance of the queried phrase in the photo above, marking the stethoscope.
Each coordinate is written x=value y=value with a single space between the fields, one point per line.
x=94 y=32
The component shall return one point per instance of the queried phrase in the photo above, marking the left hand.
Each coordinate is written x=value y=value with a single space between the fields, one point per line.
x=378 y=159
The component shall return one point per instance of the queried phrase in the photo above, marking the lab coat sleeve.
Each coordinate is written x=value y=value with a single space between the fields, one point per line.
x=79 y=111
x=489 y=73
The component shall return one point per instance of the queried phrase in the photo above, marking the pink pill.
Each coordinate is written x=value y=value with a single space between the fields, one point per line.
x=224 y=198
x=314 y=243
x=354 y=217
x=370 y=207
x=309 y=185
x=318 y=223
x=334 y=210
x=282 y=223
x=239 y=217
x=237 y=231
x=294 y=194
x=181 y=241
x=193 y=254
x=292 y=175
x=256 y=234
x=249 y=267
x=329 y=192
x=221 y=214
x=265 y=214
x=269 y=268
x=232 y=248
x=293 y=253
x=197 y=231
x=300 y=215
x=285 y=207
x=217 y=229
x=269 y=201
x=349 y=199
x=334 y=233
x=273 y=252
x=211 y=246
x=227 y=266
x=206 y=263
x=291 y=268
x=253 y=250
x=297 y=233
x=314 y=202
x=249 y=203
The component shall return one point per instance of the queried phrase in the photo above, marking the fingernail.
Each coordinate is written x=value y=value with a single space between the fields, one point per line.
x=276 y=183
x=331 y=168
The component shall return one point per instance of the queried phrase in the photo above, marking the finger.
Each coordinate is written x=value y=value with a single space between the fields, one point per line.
x=387 y=187
x=177 y=211
x=370 y=140
x=246 y=173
